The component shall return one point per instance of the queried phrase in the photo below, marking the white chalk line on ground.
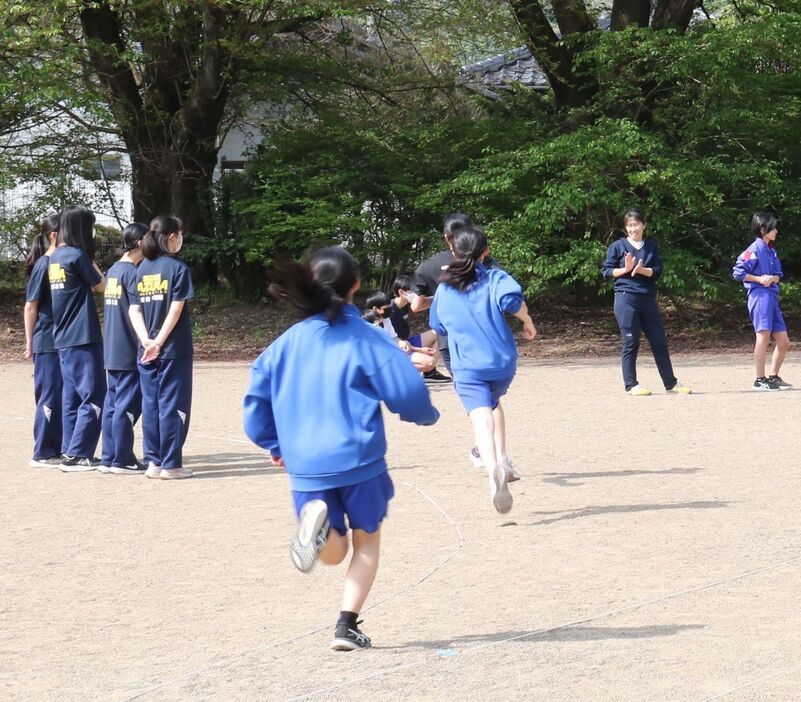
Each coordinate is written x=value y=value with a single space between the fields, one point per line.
x=535 y=632
x=764 y=678
x=258 y=649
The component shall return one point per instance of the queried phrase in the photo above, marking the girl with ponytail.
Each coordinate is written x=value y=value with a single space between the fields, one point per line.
x=160 y=317
x=470 y=307
x=47 y=384
x=73 y=278
x=314 y=404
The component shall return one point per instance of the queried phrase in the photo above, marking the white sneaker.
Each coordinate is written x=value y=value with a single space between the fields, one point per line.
x=475 y=458
x=53 y=462
x=512 y=476
x=153 y=471
x=499 y=490
x=638 y=391
x=175 y=473
x=310 y=536
x=103 y=468
x=136 y=469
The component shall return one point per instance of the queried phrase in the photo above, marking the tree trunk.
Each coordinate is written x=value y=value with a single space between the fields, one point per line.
x=628 y=12
x=674 y=14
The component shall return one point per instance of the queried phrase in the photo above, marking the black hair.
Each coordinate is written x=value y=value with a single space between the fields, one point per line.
x=762 y=223
x=468 y=244
x=132 y=235
x=453 y=222
x=41 y=242
x=403 y=282
x=320 y=284
x=370 y=316
x=377 y=299
x=76 y=228
x=154 y=242
x=635 y=214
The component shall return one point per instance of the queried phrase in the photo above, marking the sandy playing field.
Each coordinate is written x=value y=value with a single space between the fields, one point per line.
x=653 y=553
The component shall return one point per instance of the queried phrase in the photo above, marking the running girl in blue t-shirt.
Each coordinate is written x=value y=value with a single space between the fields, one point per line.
x=314 y=403
x=470 y=307
x=73 y=277
x=160 y=319
x=47 y=385
x=123 y=404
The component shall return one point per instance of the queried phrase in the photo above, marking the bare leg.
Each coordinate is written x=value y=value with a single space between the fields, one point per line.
x=484 y=428
x=782 y=347
x=362 y=569
x=335 y=549
x=422 y=362
x=429 y=338
x=760 y=349
x=500 y=430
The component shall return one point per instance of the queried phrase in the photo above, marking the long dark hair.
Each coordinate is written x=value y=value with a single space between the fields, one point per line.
x=453 y=222
x=762 y=223
x=132 y=235
x=320 y=284
x=41 y=242
x=76 y=228
x=154 y=242
x=468 y=244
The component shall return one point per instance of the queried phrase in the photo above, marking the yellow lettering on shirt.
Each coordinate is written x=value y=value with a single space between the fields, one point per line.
x=113 y=289
x=56 y=274
x=152 y=285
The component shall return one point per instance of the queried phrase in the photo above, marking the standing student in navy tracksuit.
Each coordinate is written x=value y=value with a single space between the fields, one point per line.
x=73 y=277
x=314 y=403
x=635 y=265
x=470 y=307
x=161 y=321
x=124 y=397
x=760 y=271
x=47 y=430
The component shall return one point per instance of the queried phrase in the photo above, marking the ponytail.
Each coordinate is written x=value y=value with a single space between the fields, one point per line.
x=469 y=244
x=41 y=242
x=319 y=285
x=154 y=242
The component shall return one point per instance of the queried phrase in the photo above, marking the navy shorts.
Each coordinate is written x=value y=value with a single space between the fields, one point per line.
x=481 y=393
x=365 y=504
x=765 y=313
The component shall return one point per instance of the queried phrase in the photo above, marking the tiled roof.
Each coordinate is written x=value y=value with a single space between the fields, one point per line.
x=503 y=71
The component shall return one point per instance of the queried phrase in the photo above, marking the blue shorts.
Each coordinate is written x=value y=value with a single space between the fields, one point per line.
x=365 y=504
x=765 y=313
x=481 y=393
x=416 y=340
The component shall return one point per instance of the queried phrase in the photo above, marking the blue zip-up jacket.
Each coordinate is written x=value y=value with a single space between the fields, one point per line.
x=758 y=259
x=315 y=400
x=651 y=258
x=481 y=343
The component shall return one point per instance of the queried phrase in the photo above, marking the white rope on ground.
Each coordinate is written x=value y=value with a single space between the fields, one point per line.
x=258 y=649
x=535 y=632
x=764 y=678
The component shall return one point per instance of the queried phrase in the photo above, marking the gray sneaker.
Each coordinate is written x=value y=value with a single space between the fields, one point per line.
x=499 y=490
x=175 y=473
x=310 y=536
x=78 y=464
x=778 y=382
x=53 y=462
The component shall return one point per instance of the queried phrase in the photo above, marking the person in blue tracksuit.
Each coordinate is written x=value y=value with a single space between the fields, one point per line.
x=314 y=403
x=470 y=306
x=161 y=322
x=76 y=334
x=634 y=263
x=760 y=271
x=123 y=404
x=47 y=429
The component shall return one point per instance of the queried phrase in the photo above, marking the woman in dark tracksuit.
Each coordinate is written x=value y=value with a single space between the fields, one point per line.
x=635 y=265
x=76 y=334
x=47 y=432
x=160 y=319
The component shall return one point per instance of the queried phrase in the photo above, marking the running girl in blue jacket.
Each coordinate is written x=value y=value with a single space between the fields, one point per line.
x=470 y=307
x=314 y=403
x=47 y=434
x=759 y=269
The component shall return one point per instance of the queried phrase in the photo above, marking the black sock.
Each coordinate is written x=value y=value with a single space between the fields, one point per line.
x=347 y=618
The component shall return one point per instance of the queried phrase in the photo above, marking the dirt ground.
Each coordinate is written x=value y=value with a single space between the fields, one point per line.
x=653 y=553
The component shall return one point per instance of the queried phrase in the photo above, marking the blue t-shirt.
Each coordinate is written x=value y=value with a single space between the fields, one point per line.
x=159 y=283
x=72 y=277
x=38 y=289
x=481 y=343
x=119 y=340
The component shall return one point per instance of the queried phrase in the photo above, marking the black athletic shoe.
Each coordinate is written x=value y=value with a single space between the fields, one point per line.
x=78 y=464
x=435 y=376
x=349 y=638
x=135 y=469
x=778 y=382
x=765 y=384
